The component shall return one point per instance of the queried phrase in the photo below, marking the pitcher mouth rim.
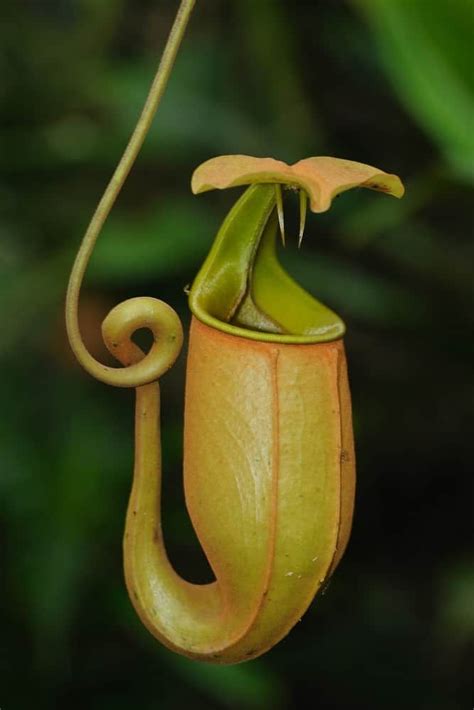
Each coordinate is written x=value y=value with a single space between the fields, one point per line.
x=258 y=336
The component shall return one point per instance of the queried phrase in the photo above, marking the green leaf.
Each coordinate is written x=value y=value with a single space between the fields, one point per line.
x=426 y=50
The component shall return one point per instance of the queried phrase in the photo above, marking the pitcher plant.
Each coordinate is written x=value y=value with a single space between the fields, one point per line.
x=269 y=470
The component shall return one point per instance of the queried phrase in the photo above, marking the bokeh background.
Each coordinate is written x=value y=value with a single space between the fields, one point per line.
x=378 y=81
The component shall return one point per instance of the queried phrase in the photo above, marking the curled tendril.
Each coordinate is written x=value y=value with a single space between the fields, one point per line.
x=137 y=312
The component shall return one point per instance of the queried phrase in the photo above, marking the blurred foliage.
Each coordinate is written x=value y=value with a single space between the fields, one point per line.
x=427 y=51
x=383 y=82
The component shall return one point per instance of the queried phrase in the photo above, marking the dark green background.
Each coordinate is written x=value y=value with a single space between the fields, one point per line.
x=379 y=81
